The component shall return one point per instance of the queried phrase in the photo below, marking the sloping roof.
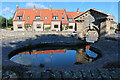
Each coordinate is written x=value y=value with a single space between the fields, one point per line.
x=73 y=14
x=110 y=16
x=31 y=13
x=113 y=22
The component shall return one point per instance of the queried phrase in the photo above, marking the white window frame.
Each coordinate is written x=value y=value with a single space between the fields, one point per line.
x=19 y=17
x=18 y=26
x=55 y=17
x=70 y=19
x=28 y=18
x=45 y=18
x=37 y=17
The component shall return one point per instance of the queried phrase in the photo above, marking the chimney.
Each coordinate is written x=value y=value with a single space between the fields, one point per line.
x=17 y=7
x=34 y=7
x=77 y=10
x=50 y=8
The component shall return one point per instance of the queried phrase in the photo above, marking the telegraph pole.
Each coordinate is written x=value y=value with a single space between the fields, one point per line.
x=6 y=24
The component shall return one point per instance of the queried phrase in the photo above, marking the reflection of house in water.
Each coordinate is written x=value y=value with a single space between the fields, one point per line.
x=81 y=56
x=42 y=52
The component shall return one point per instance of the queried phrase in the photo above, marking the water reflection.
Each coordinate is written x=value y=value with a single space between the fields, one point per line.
x=59 y=57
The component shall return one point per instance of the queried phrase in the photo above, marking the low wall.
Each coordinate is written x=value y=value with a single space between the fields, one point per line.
x=16 y=34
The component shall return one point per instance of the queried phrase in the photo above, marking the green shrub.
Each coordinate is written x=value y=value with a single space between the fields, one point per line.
x=112 y=28
x=41 y=65
x=29 y=65
x=47 y=28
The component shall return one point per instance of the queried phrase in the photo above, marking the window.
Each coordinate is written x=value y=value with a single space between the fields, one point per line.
x=70 y=27
x=70 y=19
x=55 y=17
x=38 y=26
x=37 y=17
x=45 y=18
x=62 y=17
x=28 y=18
x=19 y=17
x=19 y=26
x=55 y=26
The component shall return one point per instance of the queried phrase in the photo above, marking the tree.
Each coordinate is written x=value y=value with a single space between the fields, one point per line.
x=3 y=22
x=10 y=22
x=118 y=26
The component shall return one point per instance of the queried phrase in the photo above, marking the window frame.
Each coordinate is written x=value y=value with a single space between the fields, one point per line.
x=56 y=25
x=19 y=27
x=70 y=20
x=46 y=18
x=63 y=18
x=28 y=17
x=38 y=25
x=36 y=17
x=70 y=26
x=19 y=17
x=55 y=17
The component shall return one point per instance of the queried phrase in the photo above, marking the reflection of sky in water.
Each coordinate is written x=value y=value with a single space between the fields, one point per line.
x=57 y=59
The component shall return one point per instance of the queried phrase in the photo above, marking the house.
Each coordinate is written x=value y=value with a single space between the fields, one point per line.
x=61 y=20
x=44 y=19
x=113 y=24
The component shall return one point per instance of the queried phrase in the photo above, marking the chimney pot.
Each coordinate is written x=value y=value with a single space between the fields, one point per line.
x=34 y=7
x=16 y=7
x=50 y=7
x=78 y=10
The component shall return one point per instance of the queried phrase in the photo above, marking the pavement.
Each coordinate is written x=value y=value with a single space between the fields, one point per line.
x=109 y=50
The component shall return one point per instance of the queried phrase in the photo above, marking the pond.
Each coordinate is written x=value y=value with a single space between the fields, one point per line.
x=52 y=56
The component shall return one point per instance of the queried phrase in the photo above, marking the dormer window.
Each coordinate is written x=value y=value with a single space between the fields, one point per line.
x=28 y=18
x=70 y=19
x=55 y=17
x=62 y=17
x=45 y=18
x=19 y=17
x=37 y=17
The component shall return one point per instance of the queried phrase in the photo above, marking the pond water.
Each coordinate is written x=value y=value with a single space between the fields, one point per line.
x=56 y=57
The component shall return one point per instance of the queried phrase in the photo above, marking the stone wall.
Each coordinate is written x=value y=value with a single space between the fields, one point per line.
x=79 y=26
x=17 y=34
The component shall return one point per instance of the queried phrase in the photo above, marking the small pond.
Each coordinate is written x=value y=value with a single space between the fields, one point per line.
x=52 y=56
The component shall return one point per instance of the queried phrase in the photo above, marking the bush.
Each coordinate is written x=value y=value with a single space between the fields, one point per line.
x=41 y=65
x=47 y=28
x=112 y=28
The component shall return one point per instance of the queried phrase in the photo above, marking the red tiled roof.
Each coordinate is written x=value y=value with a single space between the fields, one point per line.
x=73 y=14
x=113 y=22
x=46 y=51
x=31 y=13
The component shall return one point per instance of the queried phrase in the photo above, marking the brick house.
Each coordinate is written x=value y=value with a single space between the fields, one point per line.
x=44 y=19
